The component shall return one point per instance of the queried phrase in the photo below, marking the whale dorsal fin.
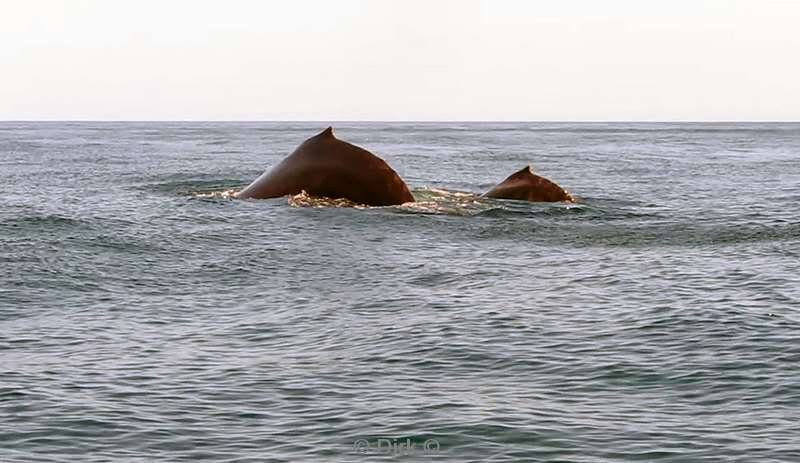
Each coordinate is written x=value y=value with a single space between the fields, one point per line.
x=328 y=133
x=523 y=172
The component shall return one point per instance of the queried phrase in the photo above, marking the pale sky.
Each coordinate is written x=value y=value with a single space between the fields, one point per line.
x=400 y=60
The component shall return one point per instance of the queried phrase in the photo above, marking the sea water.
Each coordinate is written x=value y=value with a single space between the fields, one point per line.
x=145 y=315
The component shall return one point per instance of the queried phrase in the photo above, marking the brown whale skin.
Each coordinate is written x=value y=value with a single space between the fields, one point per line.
x=524 y=185
x=325 y=166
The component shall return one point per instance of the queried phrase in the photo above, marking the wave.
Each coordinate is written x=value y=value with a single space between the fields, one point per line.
x=194 y=187
x=42 y=222
x=437 y=201
x=604 y=222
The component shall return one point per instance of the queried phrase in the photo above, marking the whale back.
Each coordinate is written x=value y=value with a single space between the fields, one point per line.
x=325 y=166
x=524 y=185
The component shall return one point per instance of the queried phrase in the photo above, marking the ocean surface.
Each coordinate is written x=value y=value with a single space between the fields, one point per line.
x=145 y=315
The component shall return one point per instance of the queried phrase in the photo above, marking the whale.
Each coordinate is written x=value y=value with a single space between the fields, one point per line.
x=524 y=185
x=325 y=166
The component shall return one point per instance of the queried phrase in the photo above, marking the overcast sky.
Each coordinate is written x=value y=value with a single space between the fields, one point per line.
x=400 y=60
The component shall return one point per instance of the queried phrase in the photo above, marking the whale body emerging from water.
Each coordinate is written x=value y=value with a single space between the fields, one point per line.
x=325 y=166
x=526 y=186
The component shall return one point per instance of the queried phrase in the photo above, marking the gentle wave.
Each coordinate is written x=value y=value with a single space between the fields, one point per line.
x=146 y=314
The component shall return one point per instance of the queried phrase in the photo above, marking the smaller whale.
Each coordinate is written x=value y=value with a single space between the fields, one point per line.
x=325 y=166
x=524 y=185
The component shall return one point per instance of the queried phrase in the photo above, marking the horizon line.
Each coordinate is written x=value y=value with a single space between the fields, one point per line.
x=432 y=121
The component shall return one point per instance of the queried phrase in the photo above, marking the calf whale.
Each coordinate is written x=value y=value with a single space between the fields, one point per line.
x=325 y=166
x=526 y=186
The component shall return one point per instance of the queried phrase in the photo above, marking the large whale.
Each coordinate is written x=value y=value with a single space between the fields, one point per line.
x=526 y=186
x=323 y=165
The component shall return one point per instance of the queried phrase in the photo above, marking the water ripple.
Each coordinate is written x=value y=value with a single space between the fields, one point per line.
x=146 y=315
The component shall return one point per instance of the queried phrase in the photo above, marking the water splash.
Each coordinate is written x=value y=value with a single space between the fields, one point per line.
x=304 y=199
x=223 y=194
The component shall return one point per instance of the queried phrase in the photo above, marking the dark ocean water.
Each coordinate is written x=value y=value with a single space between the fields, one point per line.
x=144 y=316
